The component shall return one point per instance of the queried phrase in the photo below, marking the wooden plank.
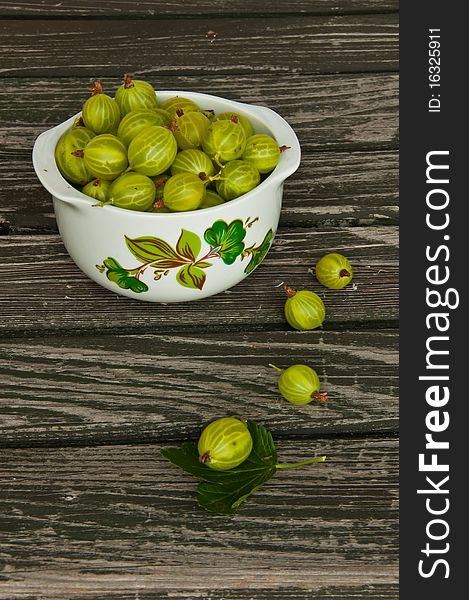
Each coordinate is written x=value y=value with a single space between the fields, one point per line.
x=64 y=391
x=329 y=189
x=340 y=112
x=42 y=289
x=201 y=8
x=314 y=44
x=120 y=519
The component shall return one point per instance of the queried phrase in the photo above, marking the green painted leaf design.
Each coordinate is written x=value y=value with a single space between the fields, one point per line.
x=150 y=249
x=203 y=264
x=228 y=237
x=117 y=274
x=191 y=277
x=258 y=253
x=224 y=491
x=168 y=263
x=188 y=245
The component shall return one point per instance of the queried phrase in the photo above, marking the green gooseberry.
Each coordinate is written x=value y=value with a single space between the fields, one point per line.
x=224 y=141
x=236 y=118
x=304 y=310
x=177 y=105
x=132 y=191
x=299 y=384
x=225 y=443
x=135 y=121
x=237 y=178
x=211 y=199
x=152 y=151
x=263 y=152
x=97 y=189
x=100 y=113
x=183 y=192
x=189 y=129
x=105 y=156
x=334 y=271
x=193 y=161
x=135 y=94
x=164 y=114
x=68 y=155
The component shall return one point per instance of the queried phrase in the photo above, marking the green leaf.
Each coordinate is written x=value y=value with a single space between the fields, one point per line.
x=224 y=491
x=228 y=238
x=151 y=249
x=117 y=274
x=257 y=254
x=188 y=245
x=191 y=277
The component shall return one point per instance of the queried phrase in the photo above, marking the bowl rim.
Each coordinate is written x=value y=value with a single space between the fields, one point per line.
x=53 y=181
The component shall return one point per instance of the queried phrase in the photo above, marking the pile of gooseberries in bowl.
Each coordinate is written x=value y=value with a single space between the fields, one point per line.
x=166 y=195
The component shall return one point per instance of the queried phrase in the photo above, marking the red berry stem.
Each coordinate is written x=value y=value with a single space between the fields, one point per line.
x=97 y=88
x=290 y=292
x=128 y=81
x=205 y=458
x=320 y=396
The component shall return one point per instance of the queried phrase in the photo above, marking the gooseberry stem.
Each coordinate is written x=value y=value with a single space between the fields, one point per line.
x=290 y=292
x=319 y=459
x=319 y=396
x=344 y=273
x=128 y=81
x=276 y=368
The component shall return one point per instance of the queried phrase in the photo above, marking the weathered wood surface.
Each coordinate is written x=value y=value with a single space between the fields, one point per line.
x=196 y=9
x=344 y=112
x=329 y=189
x=299 y=44
x=156 y=387
x=81 y=367
x=43 y=290
x=120 y=519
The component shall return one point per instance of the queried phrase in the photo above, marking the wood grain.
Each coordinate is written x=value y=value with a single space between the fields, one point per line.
x=202 y=9
x=43 y=290
x=82 y=390
x=351 y=112
x=119 y=519
x=328 y=190
x=303 y=44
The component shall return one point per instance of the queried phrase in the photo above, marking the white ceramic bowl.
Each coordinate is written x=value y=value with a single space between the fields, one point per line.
x=171 y=257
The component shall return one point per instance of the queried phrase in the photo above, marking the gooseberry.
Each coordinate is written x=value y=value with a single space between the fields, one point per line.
x=299 y=384
x=193 y=161
x=190 y=129
x=135 y=94
x=135 y=121
x=236 y=118
x=132 y=191
x=105 y=156
x=237 y=178
x=262 y=151
x=183 y=191
x=211 y=199
x=97 y=189
x=69 y=163
x=225 y=141
x=225 y=443
x=334 y=271
x=304 y=310
x=152 y=151
x=177 y=105
x=100 y=113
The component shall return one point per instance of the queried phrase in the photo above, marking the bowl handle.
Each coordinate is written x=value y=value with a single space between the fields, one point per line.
x=47 y=171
